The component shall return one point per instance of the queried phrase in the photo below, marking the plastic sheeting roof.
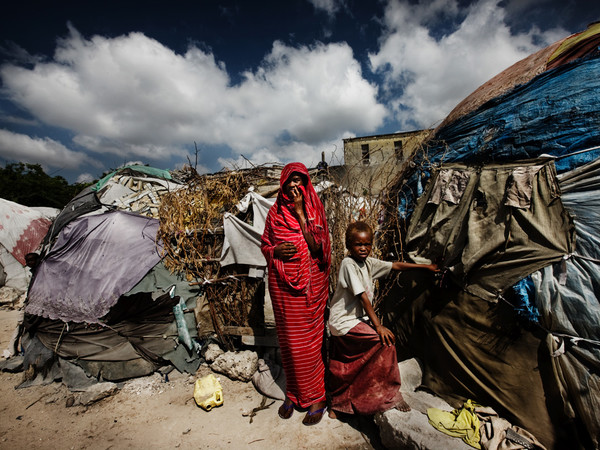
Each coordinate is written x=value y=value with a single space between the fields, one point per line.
x=94 y=261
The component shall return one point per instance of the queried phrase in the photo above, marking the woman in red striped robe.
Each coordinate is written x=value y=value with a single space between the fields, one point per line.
x=298 y=252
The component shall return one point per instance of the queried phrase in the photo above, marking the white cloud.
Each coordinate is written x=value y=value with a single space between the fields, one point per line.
x=85 y=178
x=44 y=151
x=434 y=74
x=123 y=148
x=15 y=120
x=331 y=7
x=310 y=94
x=297 y=151
x=14 y=52
x=133 y=97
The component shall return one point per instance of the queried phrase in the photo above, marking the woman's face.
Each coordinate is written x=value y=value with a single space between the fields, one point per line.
x=292 y=183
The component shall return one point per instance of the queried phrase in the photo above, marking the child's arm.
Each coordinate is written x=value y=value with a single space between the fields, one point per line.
x=386 y=336
x=399 y=265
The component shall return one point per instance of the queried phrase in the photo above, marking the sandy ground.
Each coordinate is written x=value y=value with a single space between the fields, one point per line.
x=151 y=413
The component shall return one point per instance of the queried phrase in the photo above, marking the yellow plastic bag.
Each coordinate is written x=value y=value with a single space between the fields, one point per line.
x=208 y=392
x=462 y=423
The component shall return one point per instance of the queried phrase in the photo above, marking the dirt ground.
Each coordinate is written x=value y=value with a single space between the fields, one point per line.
x=151 y=413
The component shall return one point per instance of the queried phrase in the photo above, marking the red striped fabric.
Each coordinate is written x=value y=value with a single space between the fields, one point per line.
x=299 y=289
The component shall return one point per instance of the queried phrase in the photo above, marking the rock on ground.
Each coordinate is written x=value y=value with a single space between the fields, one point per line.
x=12 y=297
x=97 y=392
x=237 y=365
x=212 y=352
x=412 y=430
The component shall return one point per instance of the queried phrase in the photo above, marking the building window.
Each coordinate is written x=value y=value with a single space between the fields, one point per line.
x=365 y=154
x=398 y=150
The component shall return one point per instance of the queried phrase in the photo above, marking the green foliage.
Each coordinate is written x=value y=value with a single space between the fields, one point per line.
x=29 y=185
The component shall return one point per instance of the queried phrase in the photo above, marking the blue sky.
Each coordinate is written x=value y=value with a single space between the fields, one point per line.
x=88 y=86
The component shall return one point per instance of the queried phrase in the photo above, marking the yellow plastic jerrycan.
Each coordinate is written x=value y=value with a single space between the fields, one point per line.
x=208 y=392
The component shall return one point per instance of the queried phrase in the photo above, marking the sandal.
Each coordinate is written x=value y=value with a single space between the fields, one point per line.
x=286 y=411
x=318 y=412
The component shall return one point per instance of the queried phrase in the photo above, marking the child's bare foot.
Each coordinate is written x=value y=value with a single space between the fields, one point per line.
x=332 y=414
x=402 y=406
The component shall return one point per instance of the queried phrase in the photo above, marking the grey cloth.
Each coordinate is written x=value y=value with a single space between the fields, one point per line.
x=518 y=193
x=260 y=207
x=449 y=186
x=242 y=240
x=241 y=244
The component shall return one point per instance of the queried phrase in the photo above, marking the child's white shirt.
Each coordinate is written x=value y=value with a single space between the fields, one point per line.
x=345 y=310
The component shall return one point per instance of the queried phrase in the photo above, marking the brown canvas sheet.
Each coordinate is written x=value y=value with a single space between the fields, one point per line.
x=473 y=349
x=507 y=222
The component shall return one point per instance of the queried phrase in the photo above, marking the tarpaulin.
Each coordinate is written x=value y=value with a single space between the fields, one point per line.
x=576 y=46
x=21 y=229
x=136 y=336
x=545 y=377
x=130 y=347
x=556 y=113
x=83 y=203
x=132 y=170
x=567 y=296
x=507 y=222
x=473 y=349
x=93 y=262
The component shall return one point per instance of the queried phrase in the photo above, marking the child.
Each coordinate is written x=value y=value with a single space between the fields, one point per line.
x=364 y=375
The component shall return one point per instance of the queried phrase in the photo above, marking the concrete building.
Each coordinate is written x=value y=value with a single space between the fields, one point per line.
x=373 y=162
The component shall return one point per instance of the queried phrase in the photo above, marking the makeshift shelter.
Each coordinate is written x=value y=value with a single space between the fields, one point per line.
x=136 y=188
x=504 y=196
x=101 y=297
x=213 y=227
x=133 y=188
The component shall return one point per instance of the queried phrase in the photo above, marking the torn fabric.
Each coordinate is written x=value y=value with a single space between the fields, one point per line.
x=486 y=244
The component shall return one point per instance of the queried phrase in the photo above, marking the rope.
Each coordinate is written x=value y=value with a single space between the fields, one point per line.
x=574 y=339
x=570 y=154
x=66 y=325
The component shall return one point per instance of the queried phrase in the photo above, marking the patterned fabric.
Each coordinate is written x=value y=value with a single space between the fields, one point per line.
x=364 y=374
x=299 y=288
x=21 y=229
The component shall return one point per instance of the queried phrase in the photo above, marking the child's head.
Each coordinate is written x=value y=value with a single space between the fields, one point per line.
x=359 y=240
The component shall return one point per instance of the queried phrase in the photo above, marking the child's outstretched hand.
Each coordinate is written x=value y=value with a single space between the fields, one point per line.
x=386 y=336
x=432 y=267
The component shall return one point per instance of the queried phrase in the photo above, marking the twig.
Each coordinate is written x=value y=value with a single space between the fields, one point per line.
x=59 y=338
x=247 y=160
x=216 y=280
x=259 y=408
x=31 y=404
